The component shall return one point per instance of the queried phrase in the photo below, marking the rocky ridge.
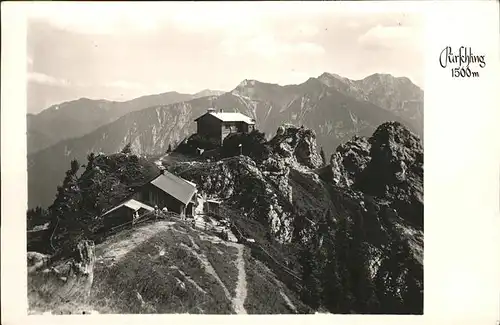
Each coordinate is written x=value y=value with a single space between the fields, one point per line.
x=372 y=189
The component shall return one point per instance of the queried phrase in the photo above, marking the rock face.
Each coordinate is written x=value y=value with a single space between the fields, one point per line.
x=371 y=195
x=398 y=95
x=385 y=175
x=297 y=143
x=395 y=171
x=388 y=165
x=349 y=160
x=273 y=190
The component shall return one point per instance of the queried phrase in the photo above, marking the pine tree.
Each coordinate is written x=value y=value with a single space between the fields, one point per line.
x=127 y=149
x=36 y=217
x=322 y=154
x=363 y=291
x=90 y=184
x=331 y=290
x=64 y=210
x=310 y=293
x=342 y=255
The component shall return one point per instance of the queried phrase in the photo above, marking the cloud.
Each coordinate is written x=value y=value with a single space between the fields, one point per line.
x=388 y=36
x=124 y=84
x=95 y=18
x=306 y=30
x=43 y=79
x=267 y=46
x=114 y=17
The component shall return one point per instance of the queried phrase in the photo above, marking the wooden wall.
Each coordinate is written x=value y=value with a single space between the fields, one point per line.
x=209 y=126
x=152 y=195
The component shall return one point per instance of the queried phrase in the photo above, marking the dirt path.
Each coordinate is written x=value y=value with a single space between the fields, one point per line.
x=241 y=287
x=117 y=247
x=238 y=300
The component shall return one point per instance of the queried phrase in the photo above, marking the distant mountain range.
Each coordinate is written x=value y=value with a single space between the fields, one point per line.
x=336 y=108
x=79 y=117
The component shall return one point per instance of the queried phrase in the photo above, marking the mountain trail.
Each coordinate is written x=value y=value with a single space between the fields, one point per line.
x=238 y=301
x=241 y=287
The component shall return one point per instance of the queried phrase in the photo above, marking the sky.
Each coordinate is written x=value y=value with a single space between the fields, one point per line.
x=120 y=51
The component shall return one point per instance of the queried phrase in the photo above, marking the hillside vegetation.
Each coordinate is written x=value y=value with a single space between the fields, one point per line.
x=86 y=192
x=346 y=237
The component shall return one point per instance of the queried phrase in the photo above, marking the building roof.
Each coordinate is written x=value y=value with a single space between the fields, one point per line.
x=132 y=205
x=177 y=187
x=230 y=117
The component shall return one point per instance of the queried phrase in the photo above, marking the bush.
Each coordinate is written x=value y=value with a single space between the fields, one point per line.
x=190 y=145
x=253 y=145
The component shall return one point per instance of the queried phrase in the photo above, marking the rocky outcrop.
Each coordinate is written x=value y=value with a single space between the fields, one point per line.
x=273 y=191
x=395 y=171
x=67 y=282
x=84 y=258
x=372 y=196
x=388 y=165
x=349 y=160
x=383 y=176
x=36 y=261
x=297 y=144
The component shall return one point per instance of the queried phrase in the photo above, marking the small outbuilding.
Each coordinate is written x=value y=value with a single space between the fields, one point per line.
x=125 y=212
x=211 y=207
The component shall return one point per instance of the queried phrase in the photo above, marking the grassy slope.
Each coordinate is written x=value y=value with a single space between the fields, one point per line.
x=155 y=270
x=266 y=294
x=165 y=267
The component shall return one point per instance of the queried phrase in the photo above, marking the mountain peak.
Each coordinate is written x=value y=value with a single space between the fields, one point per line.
x=387 y=77
x=330 y=75
x=247 y=83
x=334 y=80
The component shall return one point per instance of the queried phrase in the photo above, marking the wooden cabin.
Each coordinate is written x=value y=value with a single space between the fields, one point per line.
x=218 y=125
x=171 y=192
x=125 y=212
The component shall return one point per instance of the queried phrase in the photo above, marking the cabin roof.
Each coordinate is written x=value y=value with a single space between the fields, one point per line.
x=177 y=187
x=132 y=205
x=229 y=117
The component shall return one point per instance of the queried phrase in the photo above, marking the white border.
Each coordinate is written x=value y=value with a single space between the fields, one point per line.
x=461 y=273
